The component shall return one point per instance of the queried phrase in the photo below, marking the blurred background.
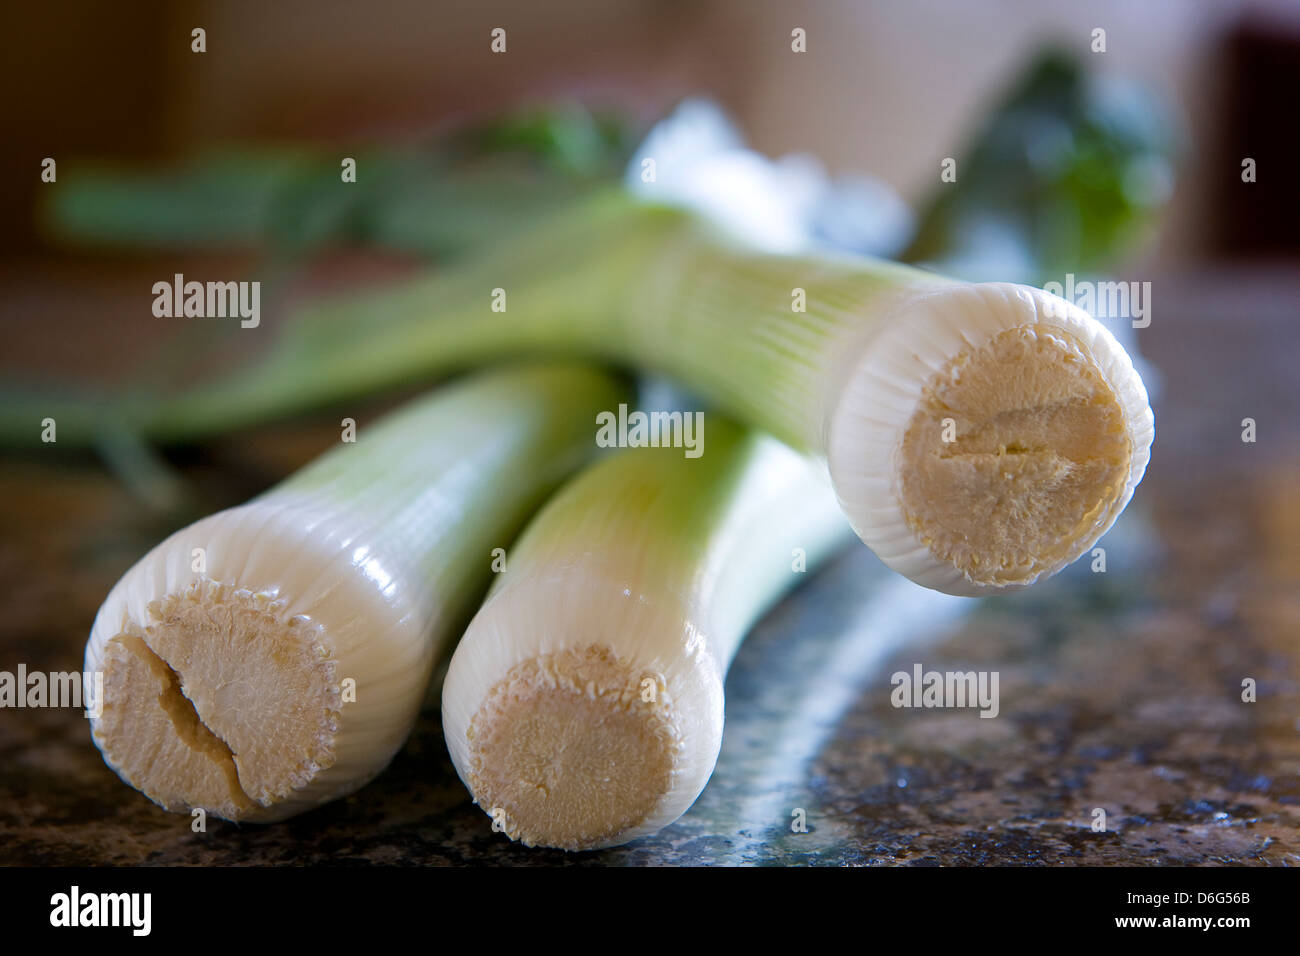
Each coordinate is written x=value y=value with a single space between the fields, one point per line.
x=1124 y=164
x=887 y=89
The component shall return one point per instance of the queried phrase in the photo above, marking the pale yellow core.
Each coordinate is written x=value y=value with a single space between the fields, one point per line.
x=219 y=702
x=572 y=749
x=1015 y=453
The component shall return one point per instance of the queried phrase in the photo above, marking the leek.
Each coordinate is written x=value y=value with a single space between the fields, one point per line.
x=979 y=436
x=584 y=706
x=274 y=656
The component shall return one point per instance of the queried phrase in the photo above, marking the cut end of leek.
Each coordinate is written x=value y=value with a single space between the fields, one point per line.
x=241 y=657
x=988 y=436
x=569 y=751
x=226 y=695
x=572 y=713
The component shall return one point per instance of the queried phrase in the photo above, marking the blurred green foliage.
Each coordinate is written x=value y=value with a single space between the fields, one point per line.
x=1063 y=175
x=438 y=198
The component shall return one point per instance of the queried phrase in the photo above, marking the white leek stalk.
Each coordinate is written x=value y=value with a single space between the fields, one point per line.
x=274 y=656
x=979 y=437
x=584 y=705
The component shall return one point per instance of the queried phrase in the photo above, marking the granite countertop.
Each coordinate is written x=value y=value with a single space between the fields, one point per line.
x=1119 y=690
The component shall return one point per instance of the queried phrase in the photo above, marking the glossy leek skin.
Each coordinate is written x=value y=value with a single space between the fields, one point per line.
x=373 y=555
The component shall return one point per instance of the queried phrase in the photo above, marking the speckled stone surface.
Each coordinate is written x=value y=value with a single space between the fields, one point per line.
x=1120 y=691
